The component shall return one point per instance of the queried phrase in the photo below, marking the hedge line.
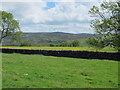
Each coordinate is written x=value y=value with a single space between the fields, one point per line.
x=66 y=53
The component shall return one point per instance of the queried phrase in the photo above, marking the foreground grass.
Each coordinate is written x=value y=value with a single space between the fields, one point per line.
x=37 y=71
x=106 y=49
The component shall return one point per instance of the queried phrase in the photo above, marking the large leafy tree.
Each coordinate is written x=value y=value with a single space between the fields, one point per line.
x=9 y=27
x=107 y=23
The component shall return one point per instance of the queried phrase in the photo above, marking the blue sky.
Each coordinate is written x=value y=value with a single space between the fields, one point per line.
x=44 y=16
x=50 y=5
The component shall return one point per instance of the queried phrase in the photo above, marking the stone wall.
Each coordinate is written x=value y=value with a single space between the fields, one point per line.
x=66 y=53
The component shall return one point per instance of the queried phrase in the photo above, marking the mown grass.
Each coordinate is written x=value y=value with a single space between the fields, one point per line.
x=106 y=49
x=37 y=71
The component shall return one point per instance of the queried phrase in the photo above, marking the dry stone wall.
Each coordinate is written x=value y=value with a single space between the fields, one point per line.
x=66 y=53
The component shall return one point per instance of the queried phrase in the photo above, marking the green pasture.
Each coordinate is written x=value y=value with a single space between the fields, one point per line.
x=106 y=49
x=38 y=71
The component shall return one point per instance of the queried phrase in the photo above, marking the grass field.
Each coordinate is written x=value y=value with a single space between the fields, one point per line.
x=37 y=71
x=106 y=49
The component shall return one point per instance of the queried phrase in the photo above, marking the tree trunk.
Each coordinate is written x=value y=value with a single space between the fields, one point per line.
x=0 y=40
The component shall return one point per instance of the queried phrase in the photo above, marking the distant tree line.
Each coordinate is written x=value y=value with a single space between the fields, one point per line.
x=74 y=43
x=22 y=43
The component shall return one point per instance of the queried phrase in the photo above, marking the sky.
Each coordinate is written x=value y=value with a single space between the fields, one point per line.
x=69 y=16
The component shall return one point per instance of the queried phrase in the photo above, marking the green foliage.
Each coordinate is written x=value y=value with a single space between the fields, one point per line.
x=107 y=23
x=38 y=45
x=17 y=36
x=37 y=71
x=116 y=42
x=64 y=44
x=74 y=43
x=8 y=26
x=52 y=45
x=25 y=43
x=95 y=42
x=92 y=41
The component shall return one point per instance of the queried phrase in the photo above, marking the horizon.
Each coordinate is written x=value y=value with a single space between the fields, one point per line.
x=58 y=32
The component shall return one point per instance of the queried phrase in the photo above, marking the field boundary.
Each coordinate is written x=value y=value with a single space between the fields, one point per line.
x=68 y=53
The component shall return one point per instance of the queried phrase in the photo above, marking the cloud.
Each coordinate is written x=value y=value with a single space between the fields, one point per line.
x=50 y=0
x=65 y=16
x=68 y=28
x=26 y=12
x=22 y=1
x=34 y=13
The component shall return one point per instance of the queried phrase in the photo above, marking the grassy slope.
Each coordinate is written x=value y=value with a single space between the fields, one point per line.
x=37 y=71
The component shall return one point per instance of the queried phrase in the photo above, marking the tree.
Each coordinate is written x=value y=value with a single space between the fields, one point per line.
x=8 y=26
x=95 y=42
x=26 y=43
x=92 y=41
x=64 y=44
x=75 y=43
x=107 y=23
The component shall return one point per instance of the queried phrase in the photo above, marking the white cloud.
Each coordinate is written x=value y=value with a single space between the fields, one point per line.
x=26 y=12
x=69 y=12
x=21 y=0
x=67 y=17
x=73 y=0
x=34 y=13
x=68 y=28
x=49 y=0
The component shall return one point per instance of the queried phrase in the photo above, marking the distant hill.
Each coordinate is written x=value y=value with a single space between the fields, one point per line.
x=50 y=37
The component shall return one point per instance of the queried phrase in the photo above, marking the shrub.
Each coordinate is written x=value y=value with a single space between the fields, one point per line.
x=25 y=43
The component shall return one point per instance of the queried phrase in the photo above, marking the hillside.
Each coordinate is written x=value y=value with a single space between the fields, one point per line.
x=50 y=37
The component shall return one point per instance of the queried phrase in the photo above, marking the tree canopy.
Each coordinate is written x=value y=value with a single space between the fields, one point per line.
x=8 y=26
x=107 y=23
